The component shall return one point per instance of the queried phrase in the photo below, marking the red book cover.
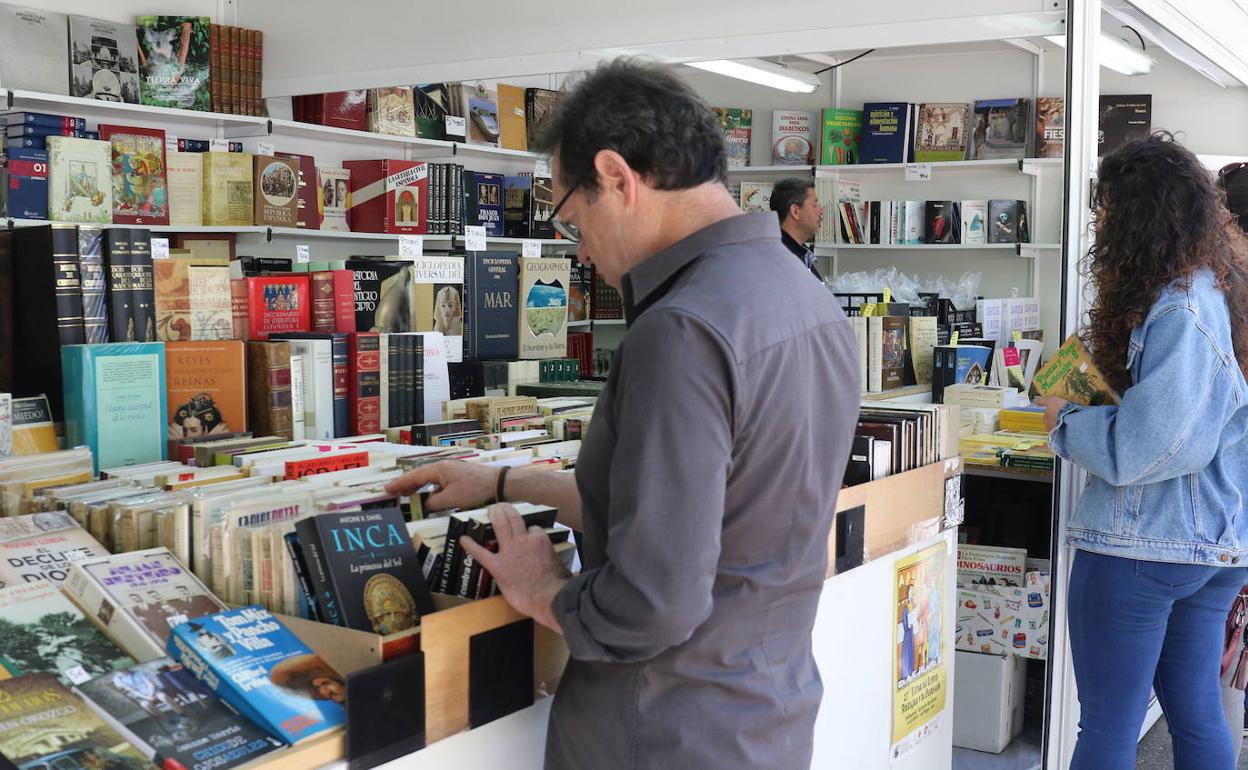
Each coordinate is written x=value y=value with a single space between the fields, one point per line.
x=239 y=307
x=297 y=469
x=140 y=186
x=333 y=301
x=365 y=382
x=308 y=216
x=344 y=109
x=278 y=303
x=389 y=196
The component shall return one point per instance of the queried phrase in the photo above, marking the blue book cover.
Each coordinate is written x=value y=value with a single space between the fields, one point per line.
x=483 y=202
x=27 y=129
x=115 y=401
x=28 y=183
x=517 y=191
x=972 y=364
x=492 y=312
x=253 y=663
x=886 y=127
x=44 y=119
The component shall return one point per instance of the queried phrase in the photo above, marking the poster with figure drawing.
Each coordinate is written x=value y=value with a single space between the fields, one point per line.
x=920 y=678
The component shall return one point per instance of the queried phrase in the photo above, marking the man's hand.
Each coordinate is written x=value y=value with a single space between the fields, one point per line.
x=1052 y=405
x=463 y=485
x=526 y=569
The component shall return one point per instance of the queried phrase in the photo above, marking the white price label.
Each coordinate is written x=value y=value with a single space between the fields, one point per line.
x=160 y=248
x=301 y=253
x=411 y=246
x=456 y=126
x=219 y=145
x=77 y=675
x=530 y=248
x=474 y=238
x=541 y=167
x=519 y=111
x=171 y=143
x=265 y=148
x=1014 y=292
x=918 y=172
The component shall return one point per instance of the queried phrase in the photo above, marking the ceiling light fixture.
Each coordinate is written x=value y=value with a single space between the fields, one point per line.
x=1116 y=55
x=763 y=73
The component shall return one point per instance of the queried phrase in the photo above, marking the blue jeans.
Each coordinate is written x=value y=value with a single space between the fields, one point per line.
x=1140 y=624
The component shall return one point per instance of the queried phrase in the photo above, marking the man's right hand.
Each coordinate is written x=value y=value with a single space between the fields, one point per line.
x=463 y=485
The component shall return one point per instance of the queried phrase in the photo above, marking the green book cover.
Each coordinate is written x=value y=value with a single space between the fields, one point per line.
x=942 y=132
x=842 y=133
x=115 y=401
x=736 y=124
x=174 y=61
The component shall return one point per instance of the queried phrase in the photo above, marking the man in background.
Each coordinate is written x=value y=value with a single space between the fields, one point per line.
x=795 y=203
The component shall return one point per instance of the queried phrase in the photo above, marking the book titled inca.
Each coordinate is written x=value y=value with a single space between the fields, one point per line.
x=41 y=631
x=269 y=398
x=174 y=61
x=207 y=388
x=278 y=304
x=173 y=719
x=276 y=193
x=80 y=180
x=186 y=188
x=1072 y=375
x=363 y=567
x=941 y=132
x=389 y=196
x=437 y=291
x=228 y=197
x=544 y=307
x=333 y=197
x=512 y=123
x=1000 y=128
x=34 y=50
x=1050 y=126
x=794 y=137
x=137 y=598
x=192 y=300
x=140 y=189
x=492 y=306
x=115 y=401
x=104 y=60
x=39 y=547
x=253 y=663
x=45 y=725
x=840 y=137
x=391 y=111
x=736 y=125
x=483 y=201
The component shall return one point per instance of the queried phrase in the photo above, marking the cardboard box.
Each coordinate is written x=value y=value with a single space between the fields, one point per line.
x=987 y=700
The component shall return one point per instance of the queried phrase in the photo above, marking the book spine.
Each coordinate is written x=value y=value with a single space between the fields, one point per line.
x=408 y=364
x=269 y=396
x=418 y=380
x=342 y=386
x=143 y=285
x=468 y=581
x=68 y=286
x=393 y=380
x=452 y=556
x=344 y=301
x=94 y=285
x=214 y=67
x=239 y=306
x=472 y=304
x=257 y=76
x=301 y=575
x=120 y=292
x=318 y=572
x=365 y=395
x=323 y=302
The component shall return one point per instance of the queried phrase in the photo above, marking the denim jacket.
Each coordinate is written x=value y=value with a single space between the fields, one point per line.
x=1168 y=466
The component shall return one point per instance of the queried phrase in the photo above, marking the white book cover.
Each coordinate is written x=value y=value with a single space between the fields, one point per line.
x=859 y=324
x=980 y=565
x=333 y=197
x=437 y=386
x=916 y=212
x=875 y=354
x=825 y=191
x=756 y=197
x=974 y=222
x=185 y=171
x=922 y=342
x=383 y=352
x=794 y=137
x=34 y=50
x=6 y=424
x=298 y=390
x=317 y=360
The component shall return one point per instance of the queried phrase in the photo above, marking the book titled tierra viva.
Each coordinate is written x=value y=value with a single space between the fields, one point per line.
x=1072 y=375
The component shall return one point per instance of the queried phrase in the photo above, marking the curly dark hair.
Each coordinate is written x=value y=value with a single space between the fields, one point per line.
x=1160 y=217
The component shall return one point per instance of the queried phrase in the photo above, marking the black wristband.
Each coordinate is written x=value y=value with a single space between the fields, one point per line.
x=500 y=486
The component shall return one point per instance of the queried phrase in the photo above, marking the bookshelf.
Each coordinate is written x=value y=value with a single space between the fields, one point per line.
x=1019 y=249
x=97 y=110
x=1029 y=166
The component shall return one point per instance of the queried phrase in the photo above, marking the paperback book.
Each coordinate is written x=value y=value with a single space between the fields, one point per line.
x=104 y=60
x=794 y=137
x=735 y=123
x=140 y=187
x=42 y=631
x=174 y=61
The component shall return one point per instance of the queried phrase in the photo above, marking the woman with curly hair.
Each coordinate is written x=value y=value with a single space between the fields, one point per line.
x=1161 y=529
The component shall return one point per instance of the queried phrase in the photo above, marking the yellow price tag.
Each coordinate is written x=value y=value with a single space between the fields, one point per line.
x=868 y=309
x=1018 y=335
x=953 y=338
x=888 y=295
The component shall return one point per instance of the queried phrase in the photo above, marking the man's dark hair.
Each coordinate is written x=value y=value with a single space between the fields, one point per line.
x=647 y=114
x=788 y=192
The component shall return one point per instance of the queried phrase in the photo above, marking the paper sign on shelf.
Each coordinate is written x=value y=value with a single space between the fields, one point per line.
x=301 y=254
x=171 y=143
x=456 y=126
x=160 y=248
x=219 y=145
x=953 y=338
x=411 y=246
x=918 y=172
x=530 y=248
x=474 y=238
x=541 y=167
x=265 y=148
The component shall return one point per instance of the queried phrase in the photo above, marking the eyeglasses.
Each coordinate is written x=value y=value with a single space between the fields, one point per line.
x=566 y=229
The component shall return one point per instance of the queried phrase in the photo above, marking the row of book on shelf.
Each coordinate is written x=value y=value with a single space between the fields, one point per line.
x=185 y=62
x=54 y=169
x=932 y=132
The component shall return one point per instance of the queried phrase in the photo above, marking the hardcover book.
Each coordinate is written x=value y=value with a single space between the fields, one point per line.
x=278 y=304
x=192 y=301
x=333 y=301
x=794 y=137
x=382 y=295
x=1007 y=222
x=330 y=353
x=1050 y=126
x=437 y=291
x=516 y=193
x=174 y=61
x=544 y=307
x=887 y=129
x=539 y=105
x=580 y=292
x=483 y=201
x=41 y=631
x=429 y=100
x=45 y=725
x=140 y=190
x=1123 y=119
x=1072 y=375
x=491 y=295
x=389 y=196
x=482 y=115
x=138 y=597
x=999 y=129
x=80 y=180
x=122 y=291
x=207 y=388
x=34 y=50
x=28 y=183
x=104 y=60
x=269 y=398
x=115 y=401
x=186 y=188
x=886 y=353
x=173 y=719
x=41 y=546
x=333 y=197
x=276 y=192
x=228 y=195
x=735 y=125
x=46 y=307
x=841 y=136
x=941 y=132
x=94 y=280
x=365 y=383
x=542 y=205
x=391 y=111
x=513 y=131
x=307 y=213
x=257 y=666
x=143 y=284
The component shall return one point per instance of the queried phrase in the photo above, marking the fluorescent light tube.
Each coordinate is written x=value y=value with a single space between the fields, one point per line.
x=1115 y=54
x=763 y=73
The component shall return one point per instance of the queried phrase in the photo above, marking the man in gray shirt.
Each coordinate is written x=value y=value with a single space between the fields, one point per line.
x=706 y=486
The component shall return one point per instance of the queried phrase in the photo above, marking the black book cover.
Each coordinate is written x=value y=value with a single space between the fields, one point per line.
x=417 y=395
x=68 y=286
x=383 y=300
x=516 y=193
x=7 y=329
x=47 y=308
x=388 y=722
x=1007 y=221
x=942 y=224
x=467 y=378
x=500 y=672
x=372 y=567
x=94 y=281
x=394 y=380
x=492 y=315
x=452 y=554
x=466 y=580
x=257 y=266
x=301 y=574
x=143 y=284
x=468 y=195
x=121 y=295
x=858 y=470
x=456 y=199
x=1123 y=119
x=542 y=204
x=316 y=567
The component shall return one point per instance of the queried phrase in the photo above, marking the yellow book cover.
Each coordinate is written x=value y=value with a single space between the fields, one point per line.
x=513 y=135
x=1072 y=375
x=228 y=200
x=33 y=430
x=185 y=172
